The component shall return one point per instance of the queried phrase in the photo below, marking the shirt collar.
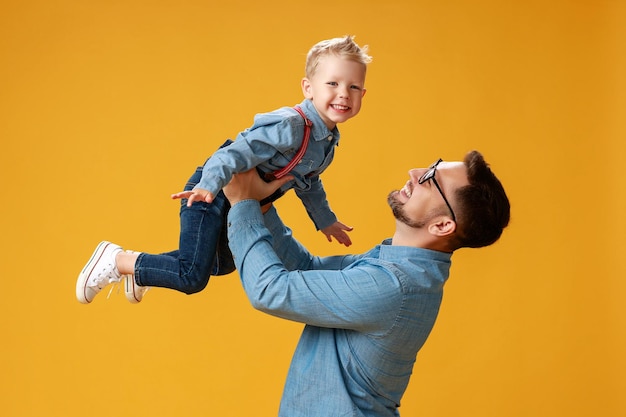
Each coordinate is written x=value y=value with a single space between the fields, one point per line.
x=386 y=248
x=319 y=130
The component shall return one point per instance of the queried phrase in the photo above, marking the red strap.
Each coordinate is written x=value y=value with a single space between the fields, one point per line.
x=298 y=157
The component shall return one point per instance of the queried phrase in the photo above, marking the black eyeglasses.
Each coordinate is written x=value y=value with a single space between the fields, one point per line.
x=430 y=175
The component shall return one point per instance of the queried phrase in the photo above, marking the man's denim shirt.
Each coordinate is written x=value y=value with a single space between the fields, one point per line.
x=366 y=316
x=271 y=143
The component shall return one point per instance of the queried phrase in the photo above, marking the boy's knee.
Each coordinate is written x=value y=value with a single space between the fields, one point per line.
x=194 y=284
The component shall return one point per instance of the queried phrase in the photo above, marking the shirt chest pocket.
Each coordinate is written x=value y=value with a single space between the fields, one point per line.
x=315 y=160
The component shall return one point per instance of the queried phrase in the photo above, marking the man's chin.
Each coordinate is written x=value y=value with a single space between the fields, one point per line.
x=397 y=208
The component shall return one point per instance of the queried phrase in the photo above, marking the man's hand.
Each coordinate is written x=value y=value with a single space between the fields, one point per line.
x=338 y=231
x=248 y=185
x=197 y=194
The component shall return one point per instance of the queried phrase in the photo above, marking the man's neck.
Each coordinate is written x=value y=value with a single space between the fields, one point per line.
x=418 y=238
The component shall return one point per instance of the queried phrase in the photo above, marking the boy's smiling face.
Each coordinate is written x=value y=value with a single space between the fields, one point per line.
x=336 y=89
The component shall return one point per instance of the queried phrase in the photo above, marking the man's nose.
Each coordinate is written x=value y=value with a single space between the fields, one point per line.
x=416 y=173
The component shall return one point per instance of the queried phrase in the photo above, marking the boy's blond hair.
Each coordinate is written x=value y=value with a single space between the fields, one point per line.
x=344 y=47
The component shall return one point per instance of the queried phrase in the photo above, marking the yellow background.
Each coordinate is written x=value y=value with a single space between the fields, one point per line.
x=106 y=107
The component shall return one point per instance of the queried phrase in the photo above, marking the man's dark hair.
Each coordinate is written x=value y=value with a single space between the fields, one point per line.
x=484 y=208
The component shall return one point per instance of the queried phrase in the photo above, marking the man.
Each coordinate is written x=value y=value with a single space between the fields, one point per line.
x=366 y=315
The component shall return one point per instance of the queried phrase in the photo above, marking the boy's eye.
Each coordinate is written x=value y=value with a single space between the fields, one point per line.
x=355 y=87
x=333 y=83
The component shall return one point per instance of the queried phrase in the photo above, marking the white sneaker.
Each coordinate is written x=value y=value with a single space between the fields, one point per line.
x=99 y=272
x=134 y=293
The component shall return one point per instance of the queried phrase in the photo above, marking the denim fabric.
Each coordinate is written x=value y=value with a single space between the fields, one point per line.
x=366 y=316
x=203 y=247
x=270 y=144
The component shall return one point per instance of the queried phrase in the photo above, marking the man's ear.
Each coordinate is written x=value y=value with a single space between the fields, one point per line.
x=444 y=226
x=306 y=88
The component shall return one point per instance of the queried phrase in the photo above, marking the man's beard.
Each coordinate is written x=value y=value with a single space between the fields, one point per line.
x=397 y=209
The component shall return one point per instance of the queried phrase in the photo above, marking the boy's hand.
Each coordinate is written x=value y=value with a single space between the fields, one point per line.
x=248 y=185
x=197 y=194
x=338 y=231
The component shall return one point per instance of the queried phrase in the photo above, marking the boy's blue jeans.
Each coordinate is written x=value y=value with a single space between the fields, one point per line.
x=202 y=251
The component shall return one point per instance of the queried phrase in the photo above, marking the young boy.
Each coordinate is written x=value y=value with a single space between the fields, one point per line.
x=301 y=141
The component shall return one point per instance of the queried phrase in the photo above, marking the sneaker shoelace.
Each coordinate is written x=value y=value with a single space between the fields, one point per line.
x=116 y=285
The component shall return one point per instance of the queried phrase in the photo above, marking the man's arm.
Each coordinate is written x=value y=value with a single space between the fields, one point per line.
x=363 y=298
x=249 y=186
x=293 y=254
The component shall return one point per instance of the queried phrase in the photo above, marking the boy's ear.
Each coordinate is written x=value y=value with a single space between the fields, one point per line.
x=306 y=88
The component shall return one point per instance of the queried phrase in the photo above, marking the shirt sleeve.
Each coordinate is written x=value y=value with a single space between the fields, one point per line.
x=293 y=254
x=339 y=292
x=316 y=204
x=270 y=134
